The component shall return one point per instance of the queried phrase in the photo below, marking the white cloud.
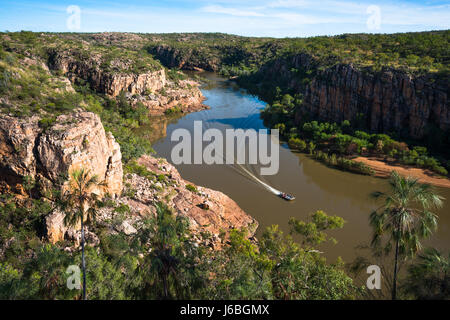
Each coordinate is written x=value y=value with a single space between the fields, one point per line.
x=232 y=11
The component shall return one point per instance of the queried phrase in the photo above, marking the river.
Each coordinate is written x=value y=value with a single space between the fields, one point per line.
x=315 y=185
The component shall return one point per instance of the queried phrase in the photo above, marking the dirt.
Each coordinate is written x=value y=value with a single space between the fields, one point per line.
x=383 y=169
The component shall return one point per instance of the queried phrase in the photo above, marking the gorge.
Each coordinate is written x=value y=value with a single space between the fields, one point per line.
x=108 y=103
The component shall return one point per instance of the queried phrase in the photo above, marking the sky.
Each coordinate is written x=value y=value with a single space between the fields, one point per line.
x=261 y=18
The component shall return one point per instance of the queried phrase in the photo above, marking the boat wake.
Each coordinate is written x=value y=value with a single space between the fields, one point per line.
x=265 y=185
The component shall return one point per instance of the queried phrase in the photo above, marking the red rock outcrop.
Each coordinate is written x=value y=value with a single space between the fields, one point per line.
x=388 y=101
x=385 y=101
x=206 y=209
x=90 y=69
x=151 y=88
x=75 y=140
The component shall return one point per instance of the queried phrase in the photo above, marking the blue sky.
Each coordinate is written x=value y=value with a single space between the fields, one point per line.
x=275 y=18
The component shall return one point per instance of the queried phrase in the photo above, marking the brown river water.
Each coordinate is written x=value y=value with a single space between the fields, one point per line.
x=314 y=185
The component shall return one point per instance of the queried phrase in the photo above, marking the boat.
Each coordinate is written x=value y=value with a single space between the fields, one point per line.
x=286 y=196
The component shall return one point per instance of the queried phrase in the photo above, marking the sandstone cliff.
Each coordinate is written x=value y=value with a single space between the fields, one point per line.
x=111 y=77
x=386 y=101
x=190 y=59
x=75 y=140
x=78 y=140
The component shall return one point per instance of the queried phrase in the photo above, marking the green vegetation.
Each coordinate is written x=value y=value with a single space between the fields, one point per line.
x=173 y=110
x=80 y=205
x=417 y=53
x=191 y=188
x=163 y=260
x=429 y=277
x=405 y=218
x=333 y=143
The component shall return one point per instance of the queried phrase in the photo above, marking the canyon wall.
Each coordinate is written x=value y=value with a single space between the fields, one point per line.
x=385 y=101
x=111 y=83
x=151 y=88
x=389 y=101
x=77 y=140
x=48 y=154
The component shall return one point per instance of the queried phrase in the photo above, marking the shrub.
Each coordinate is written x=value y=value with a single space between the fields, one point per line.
x=174 y=110
x=46 y=123
x=191 y=188
x=297 y=143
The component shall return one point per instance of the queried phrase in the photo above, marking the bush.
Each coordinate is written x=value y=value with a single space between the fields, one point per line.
x=174 y=110
x=297 y=143
x=191 y=188
x=46 y=123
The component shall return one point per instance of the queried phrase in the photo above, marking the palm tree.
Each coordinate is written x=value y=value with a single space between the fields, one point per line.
x=429 y=278
x=165 y=238
x=405 y=217
x=80 y=206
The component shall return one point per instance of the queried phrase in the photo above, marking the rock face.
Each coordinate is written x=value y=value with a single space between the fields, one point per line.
x=78 y=140
x=206 y=209
x=188 y=60
x=150 y=88
x=385 y=101
x=102 y=81
x=75 y=140
x=389 y=101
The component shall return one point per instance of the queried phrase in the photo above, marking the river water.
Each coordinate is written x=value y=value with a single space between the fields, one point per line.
x=315 y=185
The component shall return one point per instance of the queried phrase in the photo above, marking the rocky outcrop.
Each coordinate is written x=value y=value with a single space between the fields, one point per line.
x=78 y=140
x=389 y=101
x=189 y=59
x=385 y=101
x=206 y=209
x=151 y=88
x=111 y=83
x=73 y=141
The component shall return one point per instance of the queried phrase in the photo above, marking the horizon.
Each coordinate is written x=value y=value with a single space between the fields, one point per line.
x=223 y=33
x=268 y=19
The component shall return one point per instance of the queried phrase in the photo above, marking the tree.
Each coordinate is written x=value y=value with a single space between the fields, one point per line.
x=429 y=278
x=80 y=206
x=170 y=263
x=404 y=218
x=298 y=270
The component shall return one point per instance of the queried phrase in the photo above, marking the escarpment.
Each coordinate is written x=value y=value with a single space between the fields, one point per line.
x=49 y=153
x=388 y=101
x=74 y=141
x=143 y=82
x=94 y=70
x=385 y=101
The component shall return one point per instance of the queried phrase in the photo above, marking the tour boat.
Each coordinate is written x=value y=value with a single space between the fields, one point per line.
x=286 y=196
